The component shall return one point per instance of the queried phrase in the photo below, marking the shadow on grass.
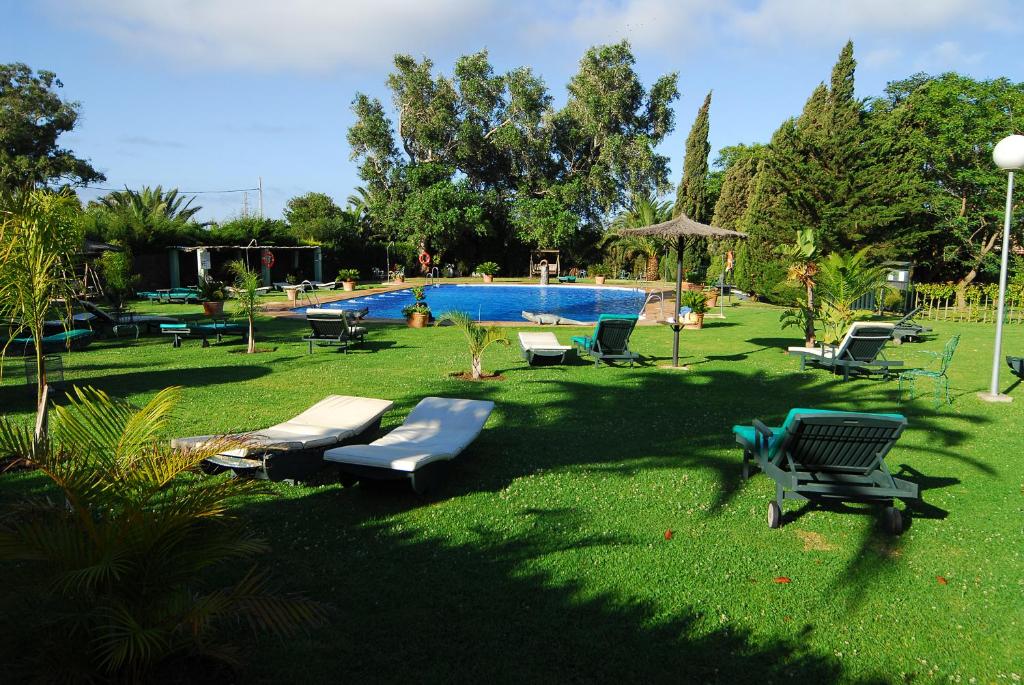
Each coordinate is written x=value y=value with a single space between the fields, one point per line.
x=429 y=608
x=17 y=398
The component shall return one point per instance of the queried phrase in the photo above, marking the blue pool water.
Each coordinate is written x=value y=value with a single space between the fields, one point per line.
x=505 y=302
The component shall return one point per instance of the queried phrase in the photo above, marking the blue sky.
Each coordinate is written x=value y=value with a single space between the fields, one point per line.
x=210 y=94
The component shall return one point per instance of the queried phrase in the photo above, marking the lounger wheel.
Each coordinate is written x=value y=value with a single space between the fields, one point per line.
x=893 y=520
x=774 y=515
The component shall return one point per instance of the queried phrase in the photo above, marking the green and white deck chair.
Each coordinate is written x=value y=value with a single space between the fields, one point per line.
x=818 y=454
x=293 y=450
x=1016 y=365
x=543 y=349
x=436 y=431
x=906 y=329
x=938 y=374
x=610 y=339
x=860 y=349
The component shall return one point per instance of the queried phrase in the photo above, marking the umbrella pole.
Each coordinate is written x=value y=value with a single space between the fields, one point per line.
x=679 y=293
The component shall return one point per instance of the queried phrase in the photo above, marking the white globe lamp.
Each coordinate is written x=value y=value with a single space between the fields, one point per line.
x=1008 y=155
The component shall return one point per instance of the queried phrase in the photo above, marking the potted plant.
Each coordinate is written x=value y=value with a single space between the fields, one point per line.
x=600 y=272
x=711 y=293
x=698 y=304
x=212 y=294
x=417 y=315
x=488 y=270
x=399 y=274
x=348 y=278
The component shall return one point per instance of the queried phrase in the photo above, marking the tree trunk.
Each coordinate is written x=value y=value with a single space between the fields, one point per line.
x=809 y=340
x=961 y=288
x=42 y=390
x=477 y=368
x=652 y=268
x=252 y=338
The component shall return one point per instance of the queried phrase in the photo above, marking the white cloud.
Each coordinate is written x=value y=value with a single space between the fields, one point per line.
x=281 y=34
x=947 y=56
x=672 y=25
x=776 y=20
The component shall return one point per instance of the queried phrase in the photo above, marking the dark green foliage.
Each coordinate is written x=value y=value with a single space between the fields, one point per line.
x=315 y=218
x=692 y=193
x=144 y=219
x=241 y=230
x=737 y=166
x=480 y=163
x=119 y=281
x=949 y=125
x=32 y=117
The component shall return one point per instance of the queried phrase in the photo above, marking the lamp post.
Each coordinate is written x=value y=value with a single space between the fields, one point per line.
x=1009 y=155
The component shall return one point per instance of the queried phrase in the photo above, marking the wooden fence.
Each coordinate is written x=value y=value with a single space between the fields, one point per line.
x=979 y=309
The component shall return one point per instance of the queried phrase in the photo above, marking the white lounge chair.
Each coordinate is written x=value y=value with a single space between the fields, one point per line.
x=859 y=349
x=436 y=431
x=293 y=450
x=541 y=349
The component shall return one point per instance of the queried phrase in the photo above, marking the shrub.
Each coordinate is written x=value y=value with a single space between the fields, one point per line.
x=348 y=275
x=417 y=308
x=118 y=280
x=212 y=291
x=488 y=269
x=120 y=556
x=419 y=292
x=599 y=270
x=696 y=300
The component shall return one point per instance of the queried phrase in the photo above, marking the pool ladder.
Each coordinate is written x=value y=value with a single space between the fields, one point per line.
x=653 y=296
x=435 y=273
x=310 y=301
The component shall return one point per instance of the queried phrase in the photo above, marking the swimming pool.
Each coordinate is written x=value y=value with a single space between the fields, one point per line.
x=505 y=302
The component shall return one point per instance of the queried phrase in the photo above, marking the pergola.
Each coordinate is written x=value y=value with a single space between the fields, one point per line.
x=549 y=256
x=677 y=229
x=253 y=254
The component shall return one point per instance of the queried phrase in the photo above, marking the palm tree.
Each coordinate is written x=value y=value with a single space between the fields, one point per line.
x=40 y=234
x=247 y=284
x=842 y=280
x=150 y=202
x=479 y=338
x=803 y=269
x=642 y=210
x=120 y=556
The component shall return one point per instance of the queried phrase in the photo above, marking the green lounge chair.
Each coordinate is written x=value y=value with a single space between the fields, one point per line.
x=1016 y=365
x=203 y=331
x=817 y=454
x=75 y=339
x=938 y=375
x=860 y=350
x=333 y=330
x=610 y=339
x=908 y=330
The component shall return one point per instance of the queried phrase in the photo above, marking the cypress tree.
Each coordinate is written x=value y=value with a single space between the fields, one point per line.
x=737 y=187
x=692 y=194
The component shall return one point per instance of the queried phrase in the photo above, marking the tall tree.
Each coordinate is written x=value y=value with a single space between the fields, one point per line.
x=950 y=123
x=32 y=118
x=482 y=161
x=737 y=184
x=144 y=219
x=692 y=193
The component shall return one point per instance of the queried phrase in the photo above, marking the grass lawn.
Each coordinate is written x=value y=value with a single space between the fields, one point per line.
x=544 y=558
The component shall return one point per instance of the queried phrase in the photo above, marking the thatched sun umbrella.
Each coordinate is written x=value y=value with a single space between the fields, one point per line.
x=677 y=229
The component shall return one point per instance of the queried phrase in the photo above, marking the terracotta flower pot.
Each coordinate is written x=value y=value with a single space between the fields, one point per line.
x=293 y=294
x=417 y=320
x=599 y=280
x=488 y=278
x=212 y=309
x=693 y=322
x=348 y=286
x=399 y=279
x=712 y=299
